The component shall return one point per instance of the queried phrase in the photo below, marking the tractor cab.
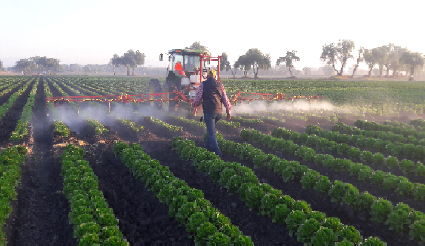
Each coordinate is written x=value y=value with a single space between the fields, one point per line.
x=187 y=68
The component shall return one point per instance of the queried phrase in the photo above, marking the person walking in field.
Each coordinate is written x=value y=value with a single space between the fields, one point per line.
x=212 y=94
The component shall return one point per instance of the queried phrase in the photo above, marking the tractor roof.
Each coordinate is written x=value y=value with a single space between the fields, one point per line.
x=187 y=51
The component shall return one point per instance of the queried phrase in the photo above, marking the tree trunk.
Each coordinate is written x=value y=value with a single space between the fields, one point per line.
x=255 y=73
x=128 y=71
x=290 y=72
x=354 y=70
x=370 y=71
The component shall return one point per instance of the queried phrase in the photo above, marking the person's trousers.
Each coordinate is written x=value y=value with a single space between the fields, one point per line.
x=211 y=140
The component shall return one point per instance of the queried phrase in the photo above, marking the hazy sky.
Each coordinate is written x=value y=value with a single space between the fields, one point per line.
x=91 y=31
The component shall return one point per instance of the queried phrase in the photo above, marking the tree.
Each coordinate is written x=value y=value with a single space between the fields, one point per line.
x=197 y=46
x=288 y=60
x=360 y=58
x=370 y=57
x=307 y=71
x=253 y=59
x=1 y=65
x=52 y=64
x=381 y=58
x=394 y=58
x=23 y=65
x=341 y=52
x=131 y=59
x=224 y=63
x=115 y=61
x=412 y=60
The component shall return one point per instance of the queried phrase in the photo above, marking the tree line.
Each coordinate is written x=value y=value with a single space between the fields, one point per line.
x=387 y=58
x=37 y=63
x=130 y=59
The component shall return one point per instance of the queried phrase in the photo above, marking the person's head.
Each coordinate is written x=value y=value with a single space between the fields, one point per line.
x=212 y=73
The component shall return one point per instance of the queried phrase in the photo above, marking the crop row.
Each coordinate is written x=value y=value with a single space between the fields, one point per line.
x=190 y=121
x=339 y=143
x=73 y=104
x=99 y=128
x=9 y=86
x=399 y=218
x=414 y=128
x=10 y=174
x=404 y=136
x=60 y=128
x=6 y=106
x=21 y=129
x=187 y=205
x=311 y=227
x=132 y=125
x=163 y=124
x=94 y=222
x=400 y=184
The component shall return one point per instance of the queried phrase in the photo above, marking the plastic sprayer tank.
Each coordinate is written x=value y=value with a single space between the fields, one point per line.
x=195 y=82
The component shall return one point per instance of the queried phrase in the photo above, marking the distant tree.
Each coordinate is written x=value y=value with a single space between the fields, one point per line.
x=412 y=60
x=224 y=62
x=41 y=62
x=131 y=59
x=52 y=64
x=1 y=65
x=371 y=58
x=360 y=58
x=23 y=65
x=307 y=71
x=288 y=60
x=331 y=54
x=253 y=59
x=381 y=58
x=389 y=49
x=394 y=58
x=242 y=64
x=115 y=61
x=197 y=46
x=234 y=70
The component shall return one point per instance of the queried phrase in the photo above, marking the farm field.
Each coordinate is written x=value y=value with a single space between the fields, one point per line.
x=347 y=168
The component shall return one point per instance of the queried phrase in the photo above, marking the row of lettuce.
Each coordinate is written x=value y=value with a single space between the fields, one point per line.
x=12 y=98
x=21 y=129
x=186 y=204
x=10 y=175
x=282 y=138
x=400 y=218
x=413 y=128
x=311 y=227
x=92 y=219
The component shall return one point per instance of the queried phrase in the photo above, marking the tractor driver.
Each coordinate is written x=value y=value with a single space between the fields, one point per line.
x=178 y=66
x=212 y=93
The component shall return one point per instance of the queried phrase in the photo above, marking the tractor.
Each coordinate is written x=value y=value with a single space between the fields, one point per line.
x=187 y=68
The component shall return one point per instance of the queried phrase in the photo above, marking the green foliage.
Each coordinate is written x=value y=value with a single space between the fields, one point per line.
x=337 y=191
x=398 y=219
x=294 y=220
x=323 y=185
x=380 y=210
x=307 y=229
x=323 y=237
x=309 y=179
x=417 y=231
